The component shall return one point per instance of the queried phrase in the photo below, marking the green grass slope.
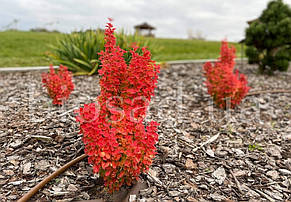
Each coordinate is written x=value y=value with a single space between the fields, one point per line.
x=20 y=48
x=185 y=49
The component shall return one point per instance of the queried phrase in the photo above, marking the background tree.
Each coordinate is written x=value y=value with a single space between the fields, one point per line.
x=269 y=38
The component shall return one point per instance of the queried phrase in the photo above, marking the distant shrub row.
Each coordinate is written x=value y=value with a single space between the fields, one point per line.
x=39 y=29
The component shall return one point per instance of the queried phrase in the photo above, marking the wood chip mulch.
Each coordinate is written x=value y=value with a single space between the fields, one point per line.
x=204 y=153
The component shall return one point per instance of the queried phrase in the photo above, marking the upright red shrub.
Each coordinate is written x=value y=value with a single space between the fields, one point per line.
x=222 y=83
x=116 y=140
x=59 y=84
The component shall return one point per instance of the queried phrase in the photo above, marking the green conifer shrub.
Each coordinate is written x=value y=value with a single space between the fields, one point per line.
x=268 y=38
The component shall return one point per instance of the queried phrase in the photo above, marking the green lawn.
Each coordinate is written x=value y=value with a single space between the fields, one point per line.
x=184 y=49
x=19 y=48
x=25 y=48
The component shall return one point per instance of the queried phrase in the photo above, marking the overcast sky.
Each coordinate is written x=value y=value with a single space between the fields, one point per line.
x=215 y=19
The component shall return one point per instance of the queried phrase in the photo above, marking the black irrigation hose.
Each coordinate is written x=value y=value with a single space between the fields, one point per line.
x=32 y=192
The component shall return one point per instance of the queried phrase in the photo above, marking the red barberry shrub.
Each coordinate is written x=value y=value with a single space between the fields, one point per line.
x=117 y=142
x=58 y=83
x=223 y=84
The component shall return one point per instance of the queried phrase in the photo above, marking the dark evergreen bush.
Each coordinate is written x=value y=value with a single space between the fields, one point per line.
x=268 y=38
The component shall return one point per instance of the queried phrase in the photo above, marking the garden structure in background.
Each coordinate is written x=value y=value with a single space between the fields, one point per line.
x=144 y=29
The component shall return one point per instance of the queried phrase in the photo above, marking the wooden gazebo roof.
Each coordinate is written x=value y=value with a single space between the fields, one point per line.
x=251 y=21
x=144 y=26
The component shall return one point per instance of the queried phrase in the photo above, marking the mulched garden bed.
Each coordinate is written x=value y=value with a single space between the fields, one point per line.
x=204 y=153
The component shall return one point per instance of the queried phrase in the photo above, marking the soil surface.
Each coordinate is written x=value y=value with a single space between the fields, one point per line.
x=204 y=153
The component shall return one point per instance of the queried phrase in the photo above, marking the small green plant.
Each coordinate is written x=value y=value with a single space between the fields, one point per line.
x=253 y=147
x=207 y=170
x=57 y=180
x=78 y=50
x=230 y=129
x=273 y=124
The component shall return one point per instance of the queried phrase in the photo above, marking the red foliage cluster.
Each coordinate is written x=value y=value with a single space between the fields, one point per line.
x=222 y=83
x=59 y=84
x=116 y=140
